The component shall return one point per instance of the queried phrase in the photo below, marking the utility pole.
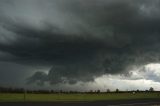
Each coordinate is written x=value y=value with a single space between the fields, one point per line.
x=24 y=95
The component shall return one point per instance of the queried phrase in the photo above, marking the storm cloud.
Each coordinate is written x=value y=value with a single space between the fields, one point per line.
x=79 y=39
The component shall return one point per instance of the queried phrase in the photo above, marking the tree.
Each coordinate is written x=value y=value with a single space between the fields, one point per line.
x=91 y=91
x=98 y=91
x=137 y=90
x=151 y=89
x=108 y=90
x=117 y=90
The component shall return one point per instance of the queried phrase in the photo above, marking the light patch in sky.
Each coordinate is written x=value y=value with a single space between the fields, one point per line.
x=140 y=78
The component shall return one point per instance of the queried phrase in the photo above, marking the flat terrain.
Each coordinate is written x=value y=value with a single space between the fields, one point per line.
x=7 y=97
x=136 y=102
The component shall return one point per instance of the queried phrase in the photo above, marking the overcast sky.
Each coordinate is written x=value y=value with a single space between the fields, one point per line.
x=67 y=44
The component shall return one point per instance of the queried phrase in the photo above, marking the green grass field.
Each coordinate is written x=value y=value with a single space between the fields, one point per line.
x=6 y=97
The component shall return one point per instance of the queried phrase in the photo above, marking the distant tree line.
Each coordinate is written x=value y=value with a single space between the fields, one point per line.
x=22 y=90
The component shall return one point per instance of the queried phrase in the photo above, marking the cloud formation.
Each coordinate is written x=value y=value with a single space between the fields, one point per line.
x=81 y=40
x=141 y=78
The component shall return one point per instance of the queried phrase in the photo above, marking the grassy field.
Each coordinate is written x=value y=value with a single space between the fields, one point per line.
x=6 y=97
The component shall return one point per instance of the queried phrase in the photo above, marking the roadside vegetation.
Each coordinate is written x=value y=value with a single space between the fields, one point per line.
x=20 y=95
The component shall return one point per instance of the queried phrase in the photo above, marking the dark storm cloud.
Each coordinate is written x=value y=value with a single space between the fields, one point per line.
x=80 y=39
x=13 y=74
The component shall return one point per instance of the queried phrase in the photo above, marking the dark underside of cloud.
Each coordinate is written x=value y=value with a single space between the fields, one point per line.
x=80 y=39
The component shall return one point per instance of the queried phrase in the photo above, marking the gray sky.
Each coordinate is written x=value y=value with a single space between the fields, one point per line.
x=65 y=44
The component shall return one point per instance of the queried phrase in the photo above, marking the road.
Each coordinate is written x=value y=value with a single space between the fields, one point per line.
x=148 y=102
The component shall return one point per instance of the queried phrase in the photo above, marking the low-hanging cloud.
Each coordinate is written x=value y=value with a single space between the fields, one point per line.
x=79 y=39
